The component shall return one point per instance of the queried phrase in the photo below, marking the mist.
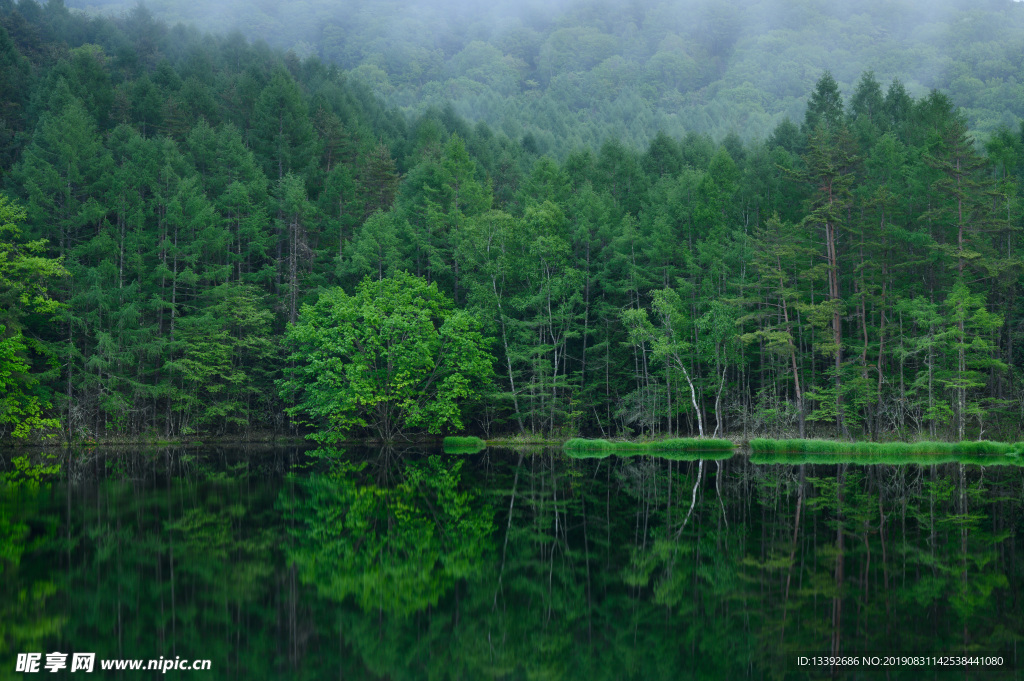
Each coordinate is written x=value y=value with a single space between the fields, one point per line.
x=574 y=73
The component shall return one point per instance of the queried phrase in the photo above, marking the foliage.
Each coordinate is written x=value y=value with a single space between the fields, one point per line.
x=569 y=76
x=29 y=475
x=856 y=274
x=395 y=549
x=25 y=273
x=392 y=356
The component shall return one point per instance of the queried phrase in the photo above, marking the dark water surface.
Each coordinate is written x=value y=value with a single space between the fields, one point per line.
x=409 y=563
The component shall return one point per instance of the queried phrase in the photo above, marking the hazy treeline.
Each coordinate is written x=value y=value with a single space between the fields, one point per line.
x=856 y=273
x=569 y=74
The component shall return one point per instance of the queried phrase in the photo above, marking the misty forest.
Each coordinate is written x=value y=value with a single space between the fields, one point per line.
x=638 y=219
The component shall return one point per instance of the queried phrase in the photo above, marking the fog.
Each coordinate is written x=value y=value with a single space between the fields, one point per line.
x=629 y=68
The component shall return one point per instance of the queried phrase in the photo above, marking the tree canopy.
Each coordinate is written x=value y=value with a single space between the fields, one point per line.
x=25 y=275
x=392 y=356
x=856 y=273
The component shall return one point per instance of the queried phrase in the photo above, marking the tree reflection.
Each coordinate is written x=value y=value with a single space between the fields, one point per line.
x=27 y=617
x=395 y=549
x=394 y=564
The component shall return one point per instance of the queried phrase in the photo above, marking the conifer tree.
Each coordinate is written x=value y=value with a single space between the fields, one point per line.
x=830 y=175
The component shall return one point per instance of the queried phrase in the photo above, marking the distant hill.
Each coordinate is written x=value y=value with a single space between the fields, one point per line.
x=565 y=75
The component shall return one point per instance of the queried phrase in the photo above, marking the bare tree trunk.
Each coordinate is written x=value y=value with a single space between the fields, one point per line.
x=693 y=396
x=718 y=404
x=693 y=498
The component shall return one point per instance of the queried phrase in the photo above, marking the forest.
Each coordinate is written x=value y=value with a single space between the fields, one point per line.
x=202 y=235
x=570 y=74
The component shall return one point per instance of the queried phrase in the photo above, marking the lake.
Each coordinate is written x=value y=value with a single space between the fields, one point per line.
x=409 y=563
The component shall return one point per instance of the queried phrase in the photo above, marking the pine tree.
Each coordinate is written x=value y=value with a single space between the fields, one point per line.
x=962 y=206
x=830 y=174
x=378 y=180
x=14 y=88
x=282 y=133
x=967 y=336
x=298 y=214
x=824 y=108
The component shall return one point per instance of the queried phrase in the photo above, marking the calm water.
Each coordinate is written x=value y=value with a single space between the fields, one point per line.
x=411 y=564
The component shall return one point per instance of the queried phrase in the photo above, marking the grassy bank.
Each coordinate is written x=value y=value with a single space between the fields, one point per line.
x=983 y=447
x=834 y=451
x=521 y=439
x=463 y=445
x=684 y=449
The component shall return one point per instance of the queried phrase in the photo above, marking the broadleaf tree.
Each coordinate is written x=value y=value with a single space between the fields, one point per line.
x=392 y=356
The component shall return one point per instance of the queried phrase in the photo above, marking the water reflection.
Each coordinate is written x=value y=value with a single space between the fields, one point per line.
x=393 y=548
x=412 y=564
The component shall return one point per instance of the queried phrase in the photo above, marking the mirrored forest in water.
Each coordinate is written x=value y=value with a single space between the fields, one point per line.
x=407 y=563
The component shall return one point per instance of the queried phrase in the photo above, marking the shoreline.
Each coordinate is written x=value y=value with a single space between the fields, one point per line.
x=756 y=445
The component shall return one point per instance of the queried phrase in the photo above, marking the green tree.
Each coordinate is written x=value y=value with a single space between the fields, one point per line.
x=825 y=107
x=224 y=350
x=283 y=134
x=830 y=174
x=968 y=339
x=780 y=256
x=962 y=206
x=671 y=344
x=14 y=87
x=376 y=248
x=392 y=356
x=378 y=180
x=296 y=216
x=24 y=274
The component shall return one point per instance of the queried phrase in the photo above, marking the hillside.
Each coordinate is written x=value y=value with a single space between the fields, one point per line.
x=568 y=75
